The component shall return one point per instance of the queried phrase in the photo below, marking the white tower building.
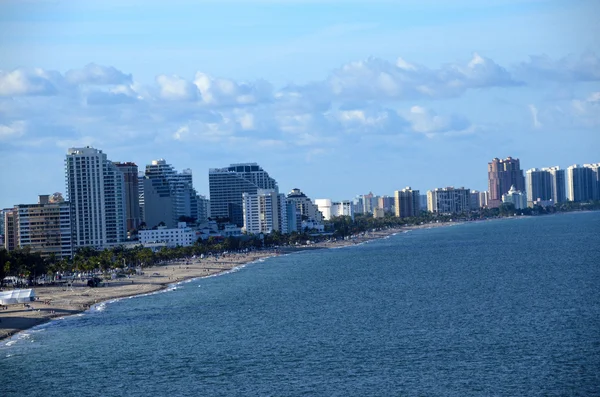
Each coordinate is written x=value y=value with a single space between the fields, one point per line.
x=96 y=191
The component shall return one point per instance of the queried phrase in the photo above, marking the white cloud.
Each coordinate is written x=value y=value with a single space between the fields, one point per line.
x=220 y=92
x=174 y=88
x=27 y=82
x=428 y=122
x=94 y=74
x=13 y=130
x=381 y=80
x=568 y=69
x=534 y=117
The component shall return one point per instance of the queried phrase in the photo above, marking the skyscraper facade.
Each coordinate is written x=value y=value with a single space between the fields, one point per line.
x=264 y=212
x=502 y=174
x=407 y=202
x=581 y=182
x=132 y=193
x=226 y=186
x=168 y=195
x=539 y=185
x=95 y=190
x=557 y=180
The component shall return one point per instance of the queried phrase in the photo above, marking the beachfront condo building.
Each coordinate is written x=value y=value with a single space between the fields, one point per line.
x=182 y=236
x=449 y=200
x=132 y=193
x=44 y=227
x=502 y=174
x=168 y=196
x=546 y=184
x=583 y=182
x=407 y=202
x=96 y=191
x=264 y=212
x=226 y=186
x=307 y=209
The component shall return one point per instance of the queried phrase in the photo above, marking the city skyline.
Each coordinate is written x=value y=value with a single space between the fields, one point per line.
x=152 y=163
x=332 y=105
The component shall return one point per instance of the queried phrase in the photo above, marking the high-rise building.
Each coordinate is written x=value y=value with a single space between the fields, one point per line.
x=502 y=174
x=294 y=217
x=132 y=193
x=449 y=200
x=483 y=199
x=264 y=212
x=307 y=209
x=95 y=190
x=386 y=203
x=539 y=185
x=203 y=209
x=10 y=229
x=227 y=184
x=475 y=199
x=557 y=180
x=168 y=196
x=595 y=180
x=546 y=184
x=581 y=182
x=407 y=202
x=44 y=227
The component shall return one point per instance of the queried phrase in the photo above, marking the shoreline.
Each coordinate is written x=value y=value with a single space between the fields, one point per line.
x=58 y=301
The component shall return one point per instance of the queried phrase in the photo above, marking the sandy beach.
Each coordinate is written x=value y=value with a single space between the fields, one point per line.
x=60 y=301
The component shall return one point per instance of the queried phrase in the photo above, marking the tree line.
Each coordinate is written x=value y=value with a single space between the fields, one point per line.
x=24 y=263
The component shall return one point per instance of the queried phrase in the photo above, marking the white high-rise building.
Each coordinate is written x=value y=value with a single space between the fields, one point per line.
x=538 y=185
x=96 y=191
x=557 y=181
x=449 y=200
x=264 y=212
x=580 y=182
x=546 y=184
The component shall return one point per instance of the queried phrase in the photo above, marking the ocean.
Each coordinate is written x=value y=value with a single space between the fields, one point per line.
x=505 y=308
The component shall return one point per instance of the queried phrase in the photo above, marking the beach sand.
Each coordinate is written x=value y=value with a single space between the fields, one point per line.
x=59 y=301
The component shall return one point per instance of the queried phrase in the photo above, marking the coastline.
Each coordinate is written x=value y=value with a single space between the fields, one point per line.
x=57 y=301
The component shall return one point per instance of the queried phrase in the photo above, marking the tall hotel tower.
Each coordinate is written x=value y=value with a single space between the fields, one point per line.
x=95 y=189
x=227 y=185
x=502 y=174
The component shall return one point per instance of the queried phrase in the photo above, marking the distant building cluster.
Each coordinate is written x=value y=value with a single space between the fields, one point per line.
x=111 y=203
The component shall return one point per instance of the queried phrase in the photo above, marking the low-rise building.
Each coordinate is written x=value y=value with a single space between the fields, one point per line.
x=516 y=197
x=182 y=235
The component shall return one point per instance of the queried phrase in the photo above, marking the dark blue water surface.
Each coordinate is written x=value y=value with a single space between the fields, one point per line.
x=508 y=307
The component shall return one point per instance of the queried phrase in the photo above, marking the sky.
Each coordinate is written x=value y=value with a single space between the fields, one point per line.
x=337 y=98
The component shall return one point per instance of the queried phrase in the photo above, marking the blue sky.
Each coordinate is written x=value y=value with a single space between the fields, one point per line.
x=337 y=98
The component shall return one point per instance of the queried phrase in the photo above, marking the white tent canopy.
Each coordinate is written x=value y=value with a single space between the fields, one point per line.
x=17 y=296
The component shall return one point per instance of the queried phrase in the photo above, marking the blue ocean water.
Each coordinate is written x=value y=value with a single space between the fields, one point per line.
x=506 y=308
